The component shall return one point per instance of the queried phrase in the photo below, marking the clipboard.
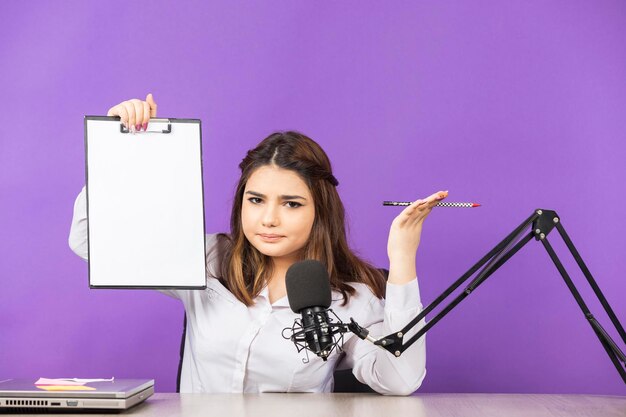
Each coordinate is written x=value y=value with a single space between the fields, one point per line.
x=145 y=204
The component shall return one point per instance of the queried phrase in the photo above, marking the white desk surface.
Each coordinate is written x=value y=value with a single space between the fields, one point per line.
x=347 y=405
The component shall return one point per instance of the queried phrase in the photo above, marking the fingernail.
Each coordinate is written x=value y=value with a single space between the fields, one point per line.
x=138 y=127
x=145 y=126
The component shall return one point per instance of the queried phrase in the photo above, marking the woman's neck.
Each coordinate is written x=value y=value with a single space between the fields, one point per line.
x=276 y=283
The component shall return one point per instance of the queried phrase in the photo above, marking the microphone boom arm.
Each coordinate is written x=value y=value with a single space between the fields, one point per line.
x=543 y=222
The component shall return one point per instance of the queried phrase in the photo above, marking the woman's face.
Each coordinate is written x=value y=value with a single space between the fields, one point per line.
x=277 y=212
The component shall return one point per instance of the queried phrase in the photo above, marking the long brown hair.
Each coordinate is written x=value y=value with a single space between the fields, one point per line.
x=245 y=270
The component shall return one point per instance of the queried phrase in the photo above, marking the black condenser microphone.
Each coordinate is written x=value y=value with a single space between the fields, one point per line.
x=308 y=291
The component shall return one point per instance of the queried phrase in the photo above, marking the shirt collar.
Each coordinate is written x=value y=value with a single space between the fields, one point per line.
x=280 y=303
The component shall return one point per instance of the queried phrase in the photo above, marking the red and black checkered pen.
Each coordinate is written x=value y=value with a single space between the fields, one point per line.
x=440 y=204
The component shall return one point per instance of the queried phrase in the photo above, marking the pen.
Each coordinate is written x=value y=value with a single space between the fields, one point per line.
x=441 y=204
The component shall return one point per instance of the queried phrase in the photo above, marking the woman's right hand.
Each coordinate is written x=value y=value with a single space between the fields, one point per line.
x=135 y=114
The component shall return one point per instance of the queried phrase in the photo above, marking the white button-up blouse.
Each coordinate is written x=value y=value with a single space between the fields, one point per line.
x=233 y=348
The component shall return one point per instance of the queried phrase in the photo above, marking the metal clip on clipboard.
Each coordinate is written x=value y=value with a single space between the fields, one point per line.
x=123 y=128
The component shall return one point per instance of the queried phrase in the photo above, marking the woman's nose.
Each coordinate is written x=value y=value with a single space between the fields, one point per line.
x=270 y=217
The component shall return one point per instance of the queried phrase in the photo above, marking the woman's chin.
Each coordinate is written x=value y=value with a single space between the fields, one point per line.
x=274 y=250
x=269 y=249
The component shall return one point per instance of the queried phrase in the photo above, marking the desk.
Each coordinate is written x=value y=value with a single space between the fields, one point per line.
x=361 y=405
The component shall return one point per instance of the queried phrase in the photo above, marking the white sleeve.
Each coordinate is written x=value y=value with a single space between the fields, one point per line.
x=376 y=367
x=78 y=231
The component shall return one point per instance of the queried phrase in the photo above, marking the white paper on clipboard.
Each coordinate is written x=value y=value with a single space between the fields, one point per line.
x=145 y=204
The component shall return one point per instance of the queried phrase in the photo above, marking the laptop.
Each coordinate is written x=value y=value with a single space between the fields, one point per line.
x=19 y=395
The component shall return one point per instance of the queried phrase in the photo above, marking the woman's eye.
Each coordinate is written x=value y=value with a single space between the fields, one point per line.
x=293 y=204
x=254 y=200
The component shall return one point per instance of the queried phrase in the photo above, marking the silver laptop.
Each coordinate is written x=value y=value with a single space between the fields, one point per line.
x=20 y=395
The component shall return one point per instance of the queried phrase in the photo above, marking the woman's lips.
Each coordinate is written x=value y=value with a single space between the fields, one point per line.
x=270 y=238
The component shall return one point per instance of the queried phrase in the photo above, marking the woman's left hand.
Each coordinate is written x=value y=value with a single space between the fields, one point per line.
x=405 y=233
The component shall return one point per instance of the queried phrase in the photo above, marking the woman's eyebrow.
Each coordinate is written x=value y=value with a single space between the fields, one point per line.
x=292 y=197
x=282 y=197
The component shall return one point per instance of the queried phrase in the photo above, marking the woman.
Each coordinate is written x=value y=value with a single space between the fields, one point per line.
x=287 y=209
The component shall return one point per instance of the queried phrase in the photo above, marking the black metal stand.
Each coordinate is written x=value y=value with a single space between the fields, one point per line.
x=542 y=221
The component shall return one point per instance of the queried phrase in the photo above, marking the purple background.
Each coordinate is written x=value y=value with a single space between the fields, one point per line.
x=516 y=105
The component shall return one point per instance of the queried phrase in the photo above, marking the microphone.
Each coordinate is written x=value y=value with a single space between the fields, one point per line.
x=308 y=292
